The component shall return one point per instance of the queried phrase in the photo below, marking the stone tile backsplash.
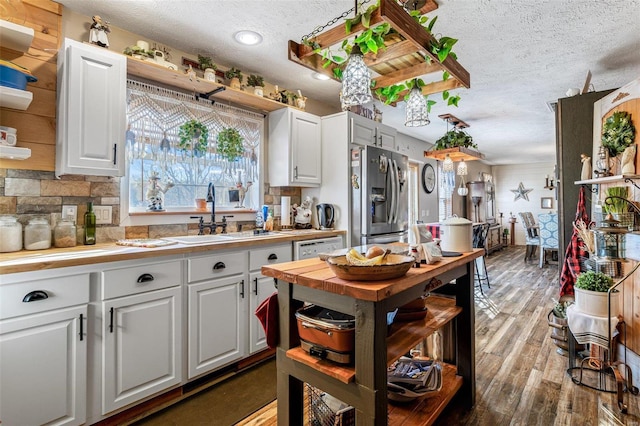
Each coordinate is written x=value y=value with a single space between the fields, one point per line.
x=30 y=193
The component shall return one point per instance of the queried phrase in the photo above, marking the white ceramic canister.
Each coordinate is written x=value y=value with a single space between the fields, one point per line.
x=37 y=234
x=10 y=234
x=456 y=234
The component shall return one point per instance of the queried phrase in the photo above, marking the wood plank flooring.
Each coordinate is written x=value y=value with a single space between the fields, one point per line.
x=521 y=379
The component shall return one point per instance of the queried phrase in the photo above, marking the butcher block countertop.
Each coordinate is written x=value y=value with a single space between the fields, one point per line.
x=37 y=260
x=317 y=274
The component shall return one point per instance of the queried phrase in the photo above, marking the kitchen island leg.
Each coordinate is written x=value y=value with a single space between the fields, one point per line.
x=466 y=337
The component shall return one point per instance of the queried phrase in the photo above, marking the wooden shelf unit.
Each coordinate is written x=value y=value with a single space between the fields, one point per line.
x=402 y=60
x=608 y=179
x=456 y=154
x=203 y=88
x=403 y=335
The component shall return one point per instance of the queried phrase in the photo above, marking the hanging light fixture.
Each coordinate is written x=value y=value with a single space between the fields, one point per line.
x=463 y=191
x=416 y=113
x=356 y=81
x=447 y=164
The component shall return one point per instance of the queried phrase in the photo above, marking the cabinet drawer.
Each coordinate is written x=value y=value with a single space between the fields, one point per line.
x=265 y=256
x=140 y=279
x=45 y=295
x=216 y=266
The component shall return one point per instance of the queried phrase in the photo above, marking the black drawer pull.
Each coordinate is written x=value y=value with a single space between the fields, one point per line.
x=111 y=320
x=242 y=289
x=35 y=295
x=219 y=265
x=273 y=256
x=145 y=278
x=255 y=289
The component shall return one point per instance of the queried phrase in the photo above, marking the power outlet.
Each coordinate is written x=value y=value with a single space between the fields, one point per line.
x=103 y=214
x=70 y=213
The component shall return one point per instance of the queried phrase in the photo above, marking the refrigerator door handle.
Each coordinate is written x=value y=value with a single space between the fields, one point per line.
x=397 y=192
x=392 y=181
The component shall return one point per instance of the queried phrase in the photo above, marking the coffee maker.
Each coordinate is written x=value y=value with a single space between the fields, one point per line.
x=326 y=214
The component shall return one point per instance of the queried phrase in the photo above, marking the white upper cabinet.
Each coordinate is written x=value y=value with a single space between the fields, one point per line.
x=295 y=141
x=363 y=131
x=91 y=110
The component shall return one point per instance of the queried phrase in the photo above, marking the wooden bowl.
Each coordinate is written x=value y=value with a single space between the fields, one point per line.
x=395 y=266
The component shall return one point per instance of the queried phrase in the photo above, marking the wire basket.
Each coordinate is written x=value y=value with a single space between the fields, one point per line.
x=321 y=414
x=627 y=220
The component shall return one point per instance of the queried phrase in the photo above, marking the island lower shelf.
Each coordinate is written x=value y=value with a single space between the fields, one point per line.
x=441 y=310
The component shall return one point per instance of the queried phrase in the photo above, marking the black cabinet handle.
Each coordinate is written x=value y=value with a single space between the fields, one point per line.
x=81 y=327
x=219 y=265
x=111 y=320
x=115 y=153
x=273 y=256
x=255 y=288
x=145 y=278
x=35 y=295
x=242 y=289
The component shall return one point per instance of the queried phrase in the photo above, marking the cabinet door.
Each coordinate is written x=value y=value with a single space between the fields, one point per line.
x=362 y=131
x=306 y=153
x=43 y=368
x=217 y=323
x=261 y=288
x=141 y=346
x=91 y=111
x=386 y=136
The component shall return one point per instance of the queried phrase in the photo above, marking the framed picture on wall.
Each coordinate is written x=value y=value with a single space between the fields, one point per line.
x=546 y=202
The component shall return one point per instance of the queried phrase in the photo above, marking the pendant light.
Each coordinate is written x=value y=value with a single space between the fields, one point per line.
x=447 y=164
x=356 y=81
x=462 y=171
x=416 y=110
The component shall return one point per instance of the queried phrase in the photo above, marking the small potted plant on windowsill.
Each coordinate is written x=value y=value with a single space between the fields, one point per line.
x=257 y=82
x=235 y=77
x=592 y=294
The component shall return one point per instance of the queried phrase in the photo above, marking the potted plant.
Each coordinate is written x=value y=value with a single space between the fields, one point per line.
x=618 y=207
x=209 y=68
x=592 y=294
x=193 y=136
x=137 y=52
x=234 y=76
x=257 y=82
x=230 y=143
x=455 y=138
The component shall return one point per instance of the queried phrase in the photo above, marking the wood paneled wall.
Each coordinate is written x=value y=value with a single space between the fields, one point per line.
x=37 y=125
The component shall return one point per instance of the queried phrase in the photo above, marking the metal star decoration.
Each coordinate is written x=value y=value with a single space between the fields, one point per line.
x=521 y=192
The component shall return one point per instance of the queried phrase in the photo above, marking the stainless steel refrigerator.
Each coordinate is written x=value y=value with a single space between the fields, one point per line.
x=379 y=195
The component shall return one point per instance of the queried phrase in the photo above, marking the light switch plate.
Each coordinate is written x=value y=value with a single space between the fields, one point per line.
x=70 y=212
x=103 y=214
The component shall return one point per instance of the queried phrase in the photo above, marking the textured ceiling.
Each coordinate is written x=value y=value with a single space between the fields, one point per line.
x=520 y=54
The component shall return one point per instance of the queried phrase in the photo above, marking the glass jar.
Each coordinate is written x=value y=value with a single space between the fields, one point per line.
x=64 y=234
x=10 y=234
x=37 y=234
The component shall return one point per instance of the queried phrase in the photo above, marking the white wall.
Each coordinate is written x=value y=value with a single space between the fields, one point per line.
x=532 y=176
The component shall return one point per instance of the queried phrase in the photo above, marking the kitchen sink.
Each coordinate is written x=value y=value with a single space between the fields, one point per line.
x=251 y=234
x=199 y=239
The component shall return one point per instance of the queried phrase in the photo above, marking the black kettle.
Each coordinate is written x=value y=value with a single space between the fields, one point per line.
x=325 y=215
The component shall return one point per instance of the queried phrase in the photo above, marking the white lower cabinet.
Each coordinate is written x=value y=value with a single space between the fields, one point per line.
x=43 y=346
x=261 y=287
x=142 y=334
x=217 y=310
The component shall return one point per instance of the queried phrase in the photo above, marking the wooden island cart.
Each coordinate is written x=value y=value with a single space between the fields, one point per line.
x=363 y=385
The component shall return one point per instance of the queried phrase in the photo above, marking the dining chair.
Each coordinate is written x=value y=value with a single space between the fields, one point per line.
x=532 y=238
x=481 y=276
x=548 y=232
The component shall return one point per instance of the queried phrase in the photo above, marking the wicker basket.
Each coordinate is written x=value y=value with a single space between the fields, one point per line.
x=320 y=414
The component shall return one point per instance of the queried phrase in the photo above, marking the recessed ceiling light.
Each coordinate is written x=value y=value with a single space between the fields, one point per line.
x=248 y=37
x=319 y=76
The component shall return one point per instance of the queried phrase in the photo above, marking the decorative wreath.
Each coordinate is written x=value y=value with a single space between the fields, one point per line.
x=193 y=135
x=618 y=133
x=230 y=143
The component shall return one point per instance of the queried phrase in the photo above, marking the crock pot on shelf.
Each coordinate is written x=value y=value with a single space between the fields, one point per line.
x=456 y=234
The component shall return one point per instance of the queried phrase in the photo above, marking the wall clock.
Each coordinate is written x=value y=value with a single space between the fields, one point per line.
x=428 y=178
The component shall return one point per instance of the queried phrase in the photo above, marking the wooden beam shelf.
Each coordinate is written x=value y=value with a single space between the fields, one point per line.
x=456 y=154
x=216 y=91
x=403 y=58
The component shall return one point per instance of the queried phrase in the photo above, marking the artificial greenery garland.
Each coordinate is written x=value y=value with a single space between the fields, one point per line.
x=194 y=132
x=618 y=133
x=230 y=143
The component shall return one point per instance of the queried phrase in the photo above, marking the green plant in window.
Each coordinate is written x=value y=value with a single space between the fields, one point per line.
x=230 y=143
x=194 y=136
